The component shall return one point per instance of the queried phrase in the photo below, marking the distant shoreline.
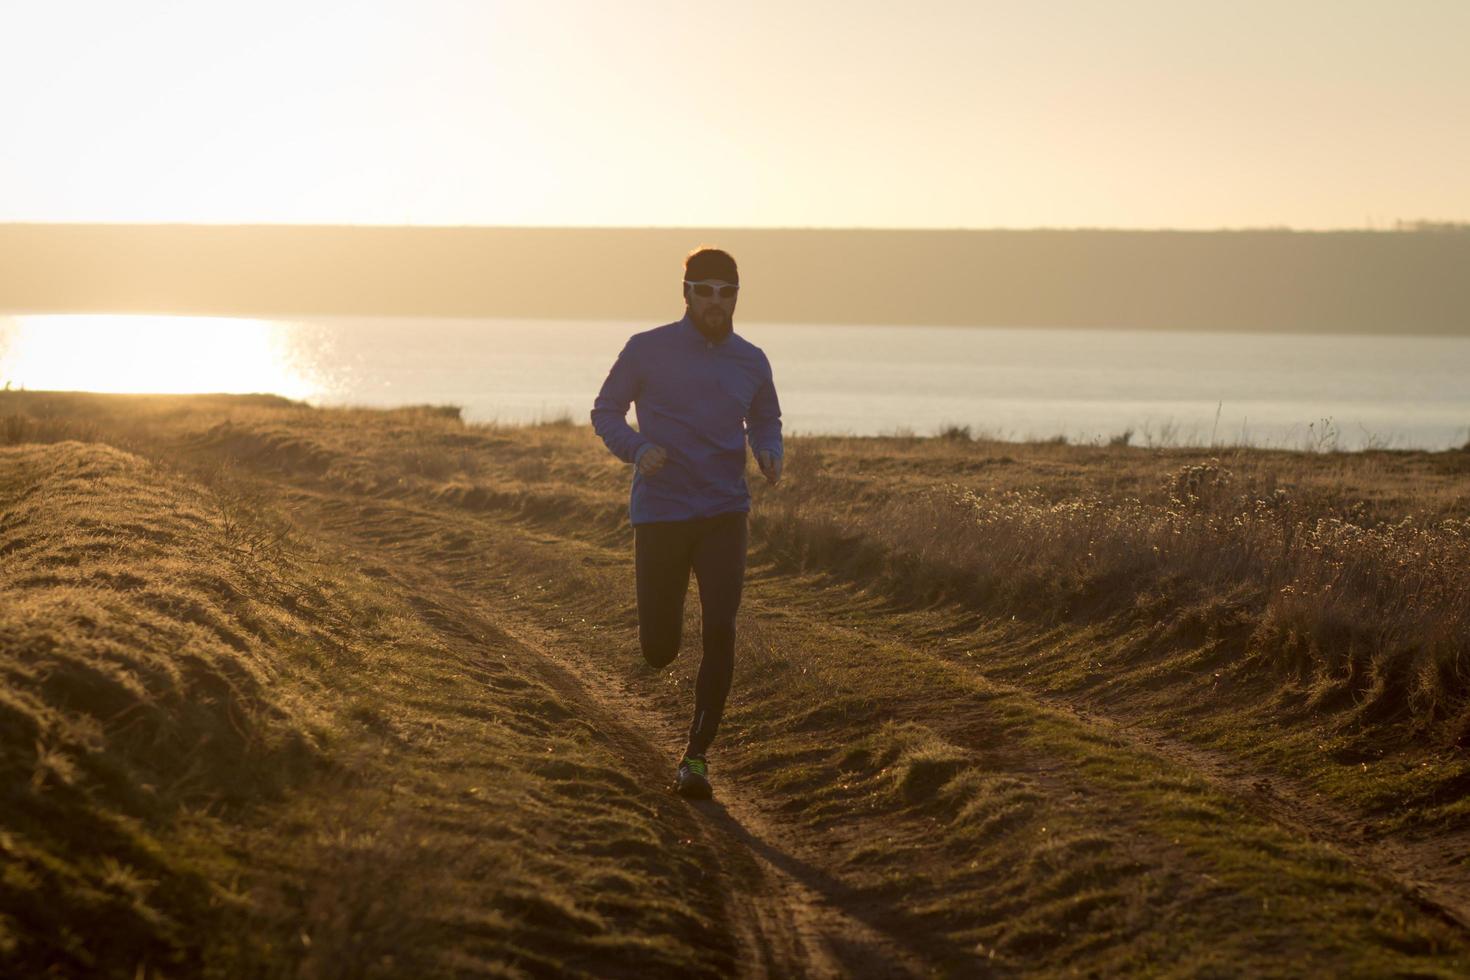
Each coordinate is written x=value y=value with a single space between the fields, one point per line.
x=667 y=315
x=1276 y=281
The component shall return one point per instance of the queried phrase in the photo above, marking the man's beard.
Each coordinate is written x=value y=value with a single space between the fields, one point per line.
x=719 y=329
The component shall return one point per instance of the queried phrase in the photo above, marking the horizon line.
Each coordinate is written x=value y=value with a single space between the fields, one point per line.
x=1399 y=226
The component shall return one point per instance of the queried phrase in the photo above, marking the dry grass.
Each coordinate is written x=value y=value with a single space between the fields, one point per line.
x=1306 y=611
x=139 y=682
x=976 y=815
x=1365 y=597
x=1345 y=573
x=228 y=753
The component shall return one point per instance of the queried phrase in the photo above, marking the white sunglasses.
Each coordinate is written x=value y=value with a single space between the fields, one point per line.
x=706 y=288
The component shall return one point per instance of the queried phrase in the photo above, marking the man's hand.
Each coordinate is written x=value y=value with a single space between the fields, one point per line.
x=770 y=465
x=652 y=460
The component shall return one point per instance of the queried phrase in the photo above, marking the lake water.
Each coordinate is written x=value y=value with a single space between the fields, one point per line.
x=1288 y=390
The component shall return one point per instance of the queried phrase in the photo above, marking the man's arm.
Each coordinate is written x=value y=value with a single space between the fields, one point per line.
x=763 y=428
x=610 y=410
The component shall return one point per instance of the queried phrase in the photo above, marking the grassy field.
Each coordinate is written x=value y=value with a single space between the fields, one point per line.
x=298 y=692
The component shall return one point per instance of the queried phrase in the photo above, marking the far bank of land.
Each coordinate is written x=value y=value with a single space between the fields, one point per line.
x=1395 y=282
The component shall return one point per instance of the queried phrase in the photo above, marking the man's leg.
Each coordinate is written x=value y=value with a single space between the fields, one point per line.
x=661 y=558
x=719 y=564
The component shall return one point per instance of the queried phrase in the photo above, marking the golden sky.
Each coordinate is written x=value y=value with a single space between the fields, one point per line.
x=1073 y=113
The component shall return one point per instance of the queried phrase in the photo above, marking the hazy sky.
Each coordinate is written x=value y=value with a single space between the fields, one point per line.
x=1120 y=113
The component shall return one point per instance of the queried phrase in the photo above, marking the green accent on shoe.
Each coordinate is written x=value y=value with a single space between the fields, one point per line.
x=696 y=766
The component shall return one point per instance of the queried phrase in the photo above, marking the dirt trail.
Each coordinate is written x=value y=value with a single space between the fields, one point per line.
x=790 y=917
x=1431 y=873
x=898 y=794
x=789 y=909
x=786 y=905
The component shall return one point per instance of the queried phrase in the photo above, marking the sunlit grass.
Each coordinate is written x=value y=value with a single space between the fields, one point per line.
x=948 y=648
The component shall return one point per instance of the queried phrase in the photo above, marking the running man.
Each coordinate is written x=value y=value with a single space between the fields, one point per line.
x=700 y=392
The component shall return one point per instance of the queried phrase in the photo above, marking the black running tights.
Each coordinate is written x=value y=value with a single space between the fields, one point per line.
x=664 y=554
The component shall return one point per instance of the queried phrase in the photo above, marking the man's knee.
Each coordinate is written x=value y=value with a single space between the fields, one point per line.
x=719 y=630
x=659 y=651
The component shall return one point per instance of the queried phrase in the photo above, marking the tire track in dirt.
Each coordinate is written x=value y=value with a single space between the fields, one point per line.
x=1430 y=873
x=785 y=912
x=826 y=939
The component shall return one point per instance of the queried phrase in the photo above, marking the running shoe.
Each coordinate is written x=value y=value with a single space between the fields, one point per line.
x=693 y=778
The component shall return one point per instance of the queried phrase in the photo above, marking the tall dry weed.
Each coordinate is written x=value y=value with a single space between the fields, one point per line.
x=1375 y=613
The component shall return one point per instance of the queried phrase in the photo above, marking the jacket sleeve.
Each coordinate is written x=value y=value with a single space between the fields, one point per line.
x=763 y=426
x=610 y=410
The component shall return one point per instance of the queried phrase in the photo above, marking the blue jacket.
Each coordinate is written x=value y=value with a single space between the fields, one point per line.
x=700 y=401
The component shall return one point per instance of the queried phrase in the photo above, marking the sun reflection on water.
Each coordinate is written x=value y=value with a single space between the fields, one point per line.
x=152 y=354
